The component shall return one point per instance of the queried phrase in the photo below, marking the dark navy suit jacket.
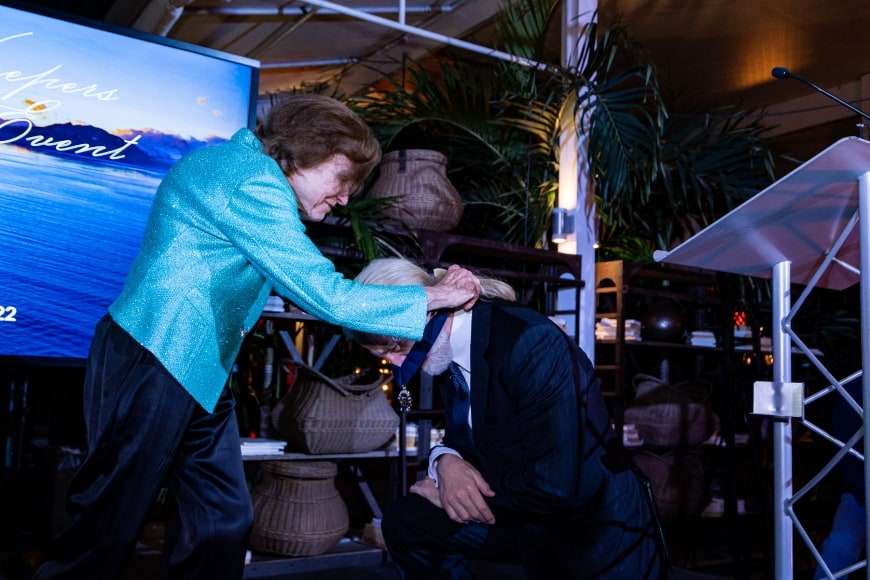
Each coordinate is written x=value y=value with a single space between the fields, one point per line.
x=543 y=442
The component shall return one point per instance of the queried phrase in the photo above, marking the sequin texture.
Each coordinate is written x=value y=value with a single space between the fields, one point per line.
x=223 y=232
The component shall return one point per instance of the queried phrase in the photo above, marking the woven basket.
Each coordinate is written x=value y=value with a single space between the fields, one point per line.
x=349 y=414
x=297 y=509
x=425 y=197
x=665 y=414
x=677 y=481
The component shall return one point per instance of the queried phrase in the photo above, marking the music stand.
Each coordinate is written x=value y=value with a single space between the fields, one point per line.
x=812 y=227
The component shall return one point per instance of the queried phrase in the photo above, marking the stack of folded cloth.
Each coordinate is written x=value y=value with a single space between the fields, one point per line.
x=632 y=329
x=605 y=329
x=702 y=338
x=630 y=436
x=274 y=304
x=262 y=446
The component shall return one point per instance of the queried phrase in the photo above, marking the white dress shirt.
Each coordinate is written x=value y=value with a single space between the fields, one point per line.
x=460 y=344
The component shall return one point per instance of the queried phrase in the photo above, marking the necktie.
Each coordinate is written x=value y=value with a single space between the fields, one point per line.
x=460 y=404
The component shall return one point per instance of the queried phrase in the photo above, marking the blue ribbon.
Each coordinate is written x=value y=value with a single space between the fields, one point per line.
x=420 y=350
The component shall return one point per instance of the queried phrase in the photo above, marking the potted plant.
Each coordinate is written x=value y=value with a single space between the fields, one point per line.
x=501 y=132
x=652 y=171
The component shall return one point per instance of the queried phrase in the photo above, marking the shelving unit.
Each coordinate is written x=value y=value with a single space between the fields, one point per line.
x=538 y=276
x=627 y=291
x=349 y=551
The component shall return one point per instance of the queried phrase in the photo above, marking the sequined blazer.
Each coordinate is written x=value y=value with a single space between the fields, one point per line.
x=224 y=230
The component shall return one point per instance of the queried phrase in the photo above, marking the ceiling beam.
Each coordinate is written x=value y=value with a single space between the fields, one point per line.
x=300 y=10
x=427 y=34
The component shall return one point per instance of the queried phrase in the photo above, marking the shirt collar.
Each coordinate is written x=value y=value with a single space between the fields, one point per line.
x=460 y=339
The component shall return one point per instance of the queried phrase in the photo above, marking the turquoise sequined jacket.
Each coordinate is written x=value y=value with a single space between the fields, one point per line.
x=224 y=230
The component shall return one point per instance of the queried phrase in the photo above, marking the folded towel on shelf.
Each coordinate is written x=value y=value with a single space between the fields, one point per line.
x=704 y=338
x=605 y=329
x=262 y=446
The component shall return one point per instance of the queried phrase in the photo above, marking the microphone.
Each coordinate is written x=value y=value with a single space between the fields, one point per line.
x=781 y=72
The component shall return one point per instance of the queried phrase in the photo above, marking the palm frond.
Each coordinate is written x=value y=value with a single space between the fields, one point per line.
x=655 y=177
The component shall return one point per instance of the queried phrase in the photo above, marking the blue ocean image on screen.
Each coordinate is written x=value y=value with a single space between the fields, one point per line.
x=90 y=120
x=72 y=235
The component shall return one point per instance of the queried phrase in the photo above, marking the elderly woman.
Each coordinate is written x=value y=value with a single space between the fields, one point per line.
x=225 y=230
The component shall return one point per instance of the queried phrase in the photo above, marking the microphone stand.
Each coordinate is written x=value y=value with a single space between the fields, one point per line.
x=783 y=73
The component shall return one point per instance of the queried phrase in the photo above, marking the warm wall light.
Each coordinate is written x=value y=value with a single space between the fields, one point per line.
x=563 y=225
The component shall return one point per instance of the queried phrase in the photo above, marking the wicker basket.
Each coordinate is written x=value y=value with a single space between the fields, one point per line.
x=665 y=414
x=426 y=198
x=677 y=481
x=297 y=509
x=349 y=414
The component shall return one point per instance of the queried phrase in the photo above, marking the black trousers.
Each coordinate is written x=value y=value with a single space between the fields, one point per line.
x=144 y=432
x=615 y=539
x=427 y=545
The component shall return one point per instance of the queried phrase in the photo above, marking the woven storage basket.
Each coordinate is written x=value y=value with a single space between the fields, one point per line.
x=297 y=509
x=418 y=178
x=349 y=414
x=677 y=481
x=665 y=414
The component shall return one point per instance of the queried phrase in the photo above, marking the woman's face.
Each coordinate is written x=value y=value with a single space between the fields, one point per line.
x=321 y=187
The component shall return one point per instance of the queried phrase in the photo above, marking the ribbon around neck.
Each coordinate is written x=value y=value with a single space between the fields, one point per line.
x=420 y=350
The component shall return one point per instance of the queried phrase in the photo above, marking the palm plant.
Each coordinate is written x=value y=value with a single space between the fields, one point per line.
x=501 y=132
x=709 y=165
x=656 y=177
x=488 y=161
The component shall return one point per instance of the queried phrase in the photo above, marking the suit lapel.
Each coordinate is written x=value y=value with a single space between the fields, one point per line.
x=481 y=321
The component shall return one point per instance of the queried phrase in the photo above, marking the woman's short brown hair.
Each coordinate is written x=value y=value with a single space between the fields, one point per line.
x=304 y=130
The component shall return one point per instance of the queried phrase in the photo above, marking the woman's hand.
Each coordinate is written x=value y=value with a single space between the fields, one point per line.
x=459 y=287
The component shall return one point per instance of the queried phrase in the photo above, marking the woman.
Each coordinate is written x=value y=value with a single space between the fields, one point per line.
x=224 y=231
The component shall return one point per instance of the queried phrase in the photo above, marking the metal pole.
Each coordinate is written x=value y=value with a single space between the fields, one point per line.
x=782 y=427
x=403 y=453
x=864 y=231
x=423 y=33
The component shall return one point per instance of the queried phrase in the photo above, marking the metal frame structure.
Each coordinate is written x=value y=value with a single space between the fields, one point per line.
x=810 y=228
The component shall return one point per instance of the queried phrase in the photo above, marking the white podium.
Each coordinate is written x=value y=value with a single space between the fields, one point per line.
x=811 y=228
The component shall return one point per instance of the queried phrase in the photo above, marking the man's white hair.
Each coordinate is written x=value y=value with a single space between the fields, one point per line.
x=402 y=272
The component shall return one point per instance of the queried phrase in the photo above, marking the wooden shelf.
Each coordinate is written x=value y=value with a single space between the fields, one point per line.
x=348 y=553
x=391 y=452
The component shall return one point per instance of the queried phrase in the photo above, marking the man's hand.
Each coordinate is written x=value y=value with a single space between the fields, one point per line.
x=458 y=287
x=462 y=489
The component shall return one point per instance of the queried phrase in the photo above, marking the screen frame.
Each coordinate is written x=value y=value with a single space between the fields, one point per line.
x=254 y=64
